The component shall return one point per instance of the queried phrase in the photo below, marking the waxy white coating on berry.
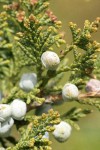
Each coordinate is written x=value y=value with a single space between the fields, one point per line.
x=5 y=112
x=46 y=135
x=28 y=81
x=18 y=109
x=70 y=91
x=93 y=85
x=50 y=60
x=5 y=127
x=62 y=131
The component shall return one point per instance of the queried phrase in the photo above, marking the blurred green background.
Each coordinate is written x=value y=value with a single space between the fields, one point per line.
x=88 y=138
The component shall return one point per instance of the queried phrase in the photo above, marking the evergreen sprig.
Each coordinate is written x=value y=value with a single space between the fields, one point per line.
x=28 y=28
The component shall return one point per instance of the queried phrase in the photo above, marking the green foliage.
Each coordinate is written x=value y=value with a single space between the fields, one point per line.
x=32 y=135
x=27 y=29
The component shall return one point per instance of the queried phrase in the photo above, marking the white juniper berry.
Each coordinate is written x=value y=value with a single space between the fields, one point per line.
x=46 y=135
x=70 y=91
x=62 y=131
x=28 y=81
x=50 y=60
x=93 y=85
x=5 y=127
x=5 y=112
x=18 y=109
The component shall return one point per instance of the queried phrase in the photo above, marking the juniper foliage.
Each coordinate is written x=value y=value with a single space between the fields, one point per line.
x=27 y=29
